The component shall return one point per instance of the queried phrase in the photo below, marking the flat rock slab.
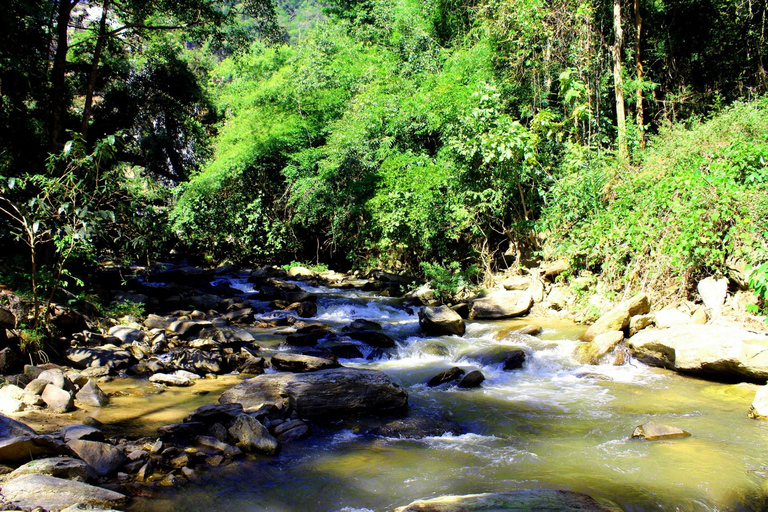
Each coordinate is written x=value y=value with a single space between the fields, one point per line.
x=60 y=467
x=289 y=362
x=656 y=431
x=10 y=427
x=528 y=500
x=55 y=494
x=502 y=304
x=171 y=380
x=714 y=351
x=106 y=355
x=332 y=393
x=14 y=450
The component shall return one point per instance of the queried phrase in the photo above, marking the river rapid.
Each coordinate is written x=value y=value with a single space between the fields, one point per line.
x=553 y=424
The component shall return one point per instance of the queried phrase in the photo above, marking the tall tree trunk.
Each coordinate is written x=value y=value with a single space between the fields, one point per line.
x=618 y=82
x=95 y=68
x=59 y=71
x=639 y=72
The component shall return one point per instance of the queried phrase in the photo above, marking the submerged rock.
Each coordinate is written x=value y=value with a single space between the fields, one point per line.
x=449 y=375
x=654 y=431
x=373 y=338
x=472 y=380
x=521 y=501
x=51 y=493
x=289 y=362
x=332 y=393
x=416 y=428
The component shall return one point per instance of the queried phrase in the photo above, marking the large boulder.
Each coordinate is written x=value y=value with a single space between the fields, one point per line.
x=58 y=400
x=439 y=321
x=618 y=318
x=126 y=334
x=593 y=351
x=51 y=493
x=502 y=304
x=10 y=427
x=373 y=338
x=300 y=363
x=252 y=436
x=104 y=458
x=91 y=394
x=332 y=393
x=21 y=449
x=759 y=408
x=60 y=467
x=714 y=351
x=107 y=355
x=520 y=501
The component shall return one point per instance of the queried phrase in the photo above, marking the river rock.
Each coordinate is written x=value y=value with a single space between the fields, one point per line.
x=60 y=467
x=252 y=436
x=10 y=427
x=21 y=449
x=289 y=362
x=51 y=493
x=618 y=318
x=514 y=360
x=375 y=339
x=302 y=273
x=58 y=400
x=416 y=428
x=592 y=352
x=196 y=361
x=346 y=351
x=9 y=361
x=360 y=324
x=57 y=377
x=211 y=442
x=171 y=380
x=305 y=309
x=441 y=321
x=502 y=304
x=126 y=334
x=107 y=355
x=332 y=393
x=654 y=431
x=640 y=322
x=759 y=408
x=449 y=375
x=91 y=394
x=671 y=317
x=516 y=283
x=10 y=405
x=104 y=458
x=713 y=292
x=188 y=328
x=81 y=431
x=714 y=351
x=527 y=500
x=472 y=380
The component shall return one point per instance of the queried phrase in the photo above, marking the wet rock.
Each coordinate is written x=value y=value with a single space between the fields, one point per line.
x=304 y=309
x=171 y=380
x=441 y=320
x=346 y=351
x=502 y=304
x=211 y=442
x=593 y=351
x=332 y=393
x=106 y=355
x=305 y=340
x=104 y=458
x=292 y=430
x=126 y=334
x=759 y=408
x=530 y=330
x=51 y=493
x=58 y=400
x=618 y=318
x=196 y=360
x=654 y=431
x=375 y=339
x=252 y=366
x=10 y=427
x=188 y=328
x=91 y=394
x=252 y=436
x=21 y=449
x=713 y=351
x=60 y=467
x=216 y=413
x=81 y=431
x=521 y=501
x=416 y=428
x=472 y=380
x=449 y=375
x=514 y=360
x=360 y=324
x=289 y=362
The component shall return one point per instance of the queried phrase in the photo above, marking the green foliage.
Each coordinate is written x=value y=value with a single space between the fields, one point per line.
x=318 y=267
x=447 y=280
x=124 y=308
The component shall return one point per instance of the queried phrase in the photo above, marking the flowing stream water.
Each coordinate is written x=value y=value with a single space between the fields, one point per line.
x=552 y=424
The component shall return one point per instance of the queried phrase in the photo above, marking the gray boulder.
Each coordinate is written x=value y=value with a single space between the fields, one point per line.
x=10 y=427
x=106 y=355
x=289 y=362
x=332 y=393
x=57 y=399
x=104 y=458
x=502 y=304
x=126 y=334
x=91 y=394
x=81 y=431
x=21 y=449
x=60 y=467
x=705 y=350
x=439 y=321
x=472 y=380
x=520 y=501
x=54 y=494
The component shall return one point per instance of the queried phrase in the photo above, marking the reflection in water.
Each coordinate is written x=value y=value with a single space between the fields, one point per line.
x=553 y=424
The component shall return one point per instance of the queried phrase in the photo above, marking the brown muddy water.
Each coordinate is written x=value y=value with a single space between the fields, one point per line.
x=554 y=424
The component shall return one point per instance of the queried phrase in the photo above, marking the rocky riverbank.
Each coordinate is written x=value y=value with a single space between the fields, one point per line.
x=201 y=327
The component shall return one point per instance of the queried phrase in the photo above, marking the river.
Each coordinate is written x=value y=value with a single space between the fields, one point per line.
x=553 y=424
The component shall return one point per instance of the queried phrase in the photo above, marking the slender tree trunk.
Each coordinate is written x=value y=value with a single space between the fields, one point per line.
x=639 y=72
x=59 y=71
x=618 y=82
x=95 y=68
